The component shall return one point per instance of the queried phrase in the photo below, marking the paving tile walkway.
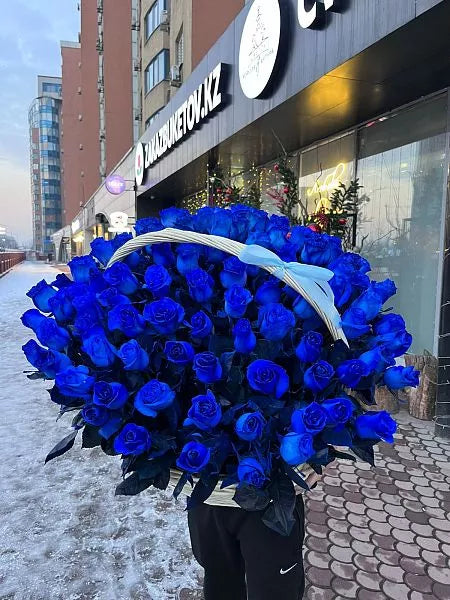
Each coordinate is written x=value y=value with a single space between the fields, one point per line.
x=385 y=532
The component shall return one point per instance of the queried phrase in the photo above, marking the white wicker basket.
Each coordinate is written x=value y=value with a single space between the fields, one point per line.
x=223 y=497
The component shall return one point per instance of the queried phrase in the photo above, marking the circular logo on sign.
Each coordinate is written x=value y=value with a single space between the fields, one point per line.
x=139 y=164
x=259 y=46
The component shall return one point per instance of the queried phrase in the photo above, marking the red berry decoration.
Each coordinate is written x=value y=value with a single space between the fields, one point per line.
x=276 y=168
x=314 y=228
x=286 y=190
x=342 y=221
x=228 y=190
x=219 y=190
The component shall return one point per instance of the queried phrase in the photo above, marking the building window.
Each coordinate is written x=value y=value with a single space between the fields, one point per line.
x=52 y=88
x=150 y=120
x=153 y=17
x=157 y=70
x=179 y=49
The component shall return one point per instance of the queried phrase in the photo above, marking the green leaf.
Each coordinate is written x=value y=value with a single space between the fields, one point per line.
x=62 y=447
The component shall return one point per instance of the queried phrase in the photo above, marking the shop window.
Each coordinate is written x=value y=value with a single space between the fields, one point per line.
x=153 y=17
x=52 y=88
x=322 y=169
x=401 y=164
x=157 y=70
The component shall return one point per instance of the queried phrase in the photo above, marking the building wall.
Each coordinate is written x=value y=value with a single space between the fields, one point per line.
x=181 y=19
x=71 y=132
x=209 y=21
x=90 y=157
x=117 y=80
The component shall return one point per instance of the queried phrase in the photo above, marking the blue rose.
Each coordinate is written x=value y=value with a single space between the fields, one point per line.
x=348 y=263
x=32 y=319
x=148 y=225
x=77 y=289
x=187 y=257
x=62 y=281
x=132 y=440
x=377 y=360
x=320 y=250
x=102 y=250
x=390 y=323
x=201 y=325
x=310 y=347
x=41 y=293
x=385 y=289
x=287 y=252
x=85 y=302
x=244 y=338
x=82 y=267
x=354 y=323
x=95 y=415
x=179 y=353
x=339 y=410
x=100 y=351
x=133 y=356
x=342 y=289
x=350 y=372
x=111 y=297
x=268 y=378
x=397 y=378
x=121 y=277
x=370 y=303
x=179 y=218
x=50 y=334
x=194 y=457
x=311 y=419
x=203 y=219
x=158 y=280
x=201 y=285
x=234 y=273
x=125 y=318
x=164 y=315
x=48 y=362
x=75 y=382
x=251 y=472
x=162 y=254
x=259 y=238
x=396 y=343
x=275 y=322
x=318 y=376
x=222 y=223
x=278 y=222
x=61 y=306
x=296 y=448
x=236 y=301
x=110 y=395
x=120 y=239
x=213 y=255
x=153 y=397
x=269 y=292
x=249 y=426
x=88 y=323
x=376 y=426
x=207 y=367
x=277 y=238
x=257 y=220
x=303 y=309
x=299 y=234
x=205 y=412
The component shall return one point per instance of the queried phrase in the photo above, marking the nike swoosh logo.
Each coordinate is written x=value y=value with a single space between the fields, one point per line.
x=282 y=572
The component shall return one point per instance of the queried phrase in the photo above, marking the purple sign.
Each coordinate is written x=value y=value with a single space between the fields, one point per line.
x=115 y=184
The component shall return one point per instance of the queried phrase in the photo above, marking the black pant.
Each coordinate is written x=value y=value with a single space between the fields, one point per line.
x=244 y=559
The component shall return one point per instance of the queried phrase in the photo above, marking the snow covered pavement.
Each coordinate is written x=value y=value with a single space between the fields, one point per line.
x=63 y=533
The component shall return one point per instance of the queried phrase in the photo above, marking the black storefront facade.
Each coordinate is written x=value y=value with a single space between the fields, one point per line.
x=362 y=92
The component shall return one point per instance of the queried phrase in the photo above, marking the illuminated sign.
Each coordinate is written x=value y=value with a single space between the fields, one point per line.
x=76 y=225
x=324 y=186
x=259 y=46
x=201 y=104
x=307 y=17
x=115 y=184
x=119 y=222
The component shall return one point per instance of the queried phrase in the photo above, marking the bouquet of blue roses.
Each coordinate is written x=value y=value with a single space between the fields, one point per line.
x=225 y=348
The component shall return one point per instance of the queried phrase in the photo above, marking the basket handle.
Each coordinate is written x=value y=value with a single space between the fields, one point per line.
x=314 y=292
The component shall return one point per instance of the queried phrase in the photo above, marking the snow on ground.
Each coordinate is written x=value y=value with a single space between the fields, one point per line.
x=63 y=533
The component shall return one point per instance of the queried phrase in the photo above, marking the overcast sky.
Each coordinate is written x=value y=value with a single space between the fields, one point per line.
x=30 y=32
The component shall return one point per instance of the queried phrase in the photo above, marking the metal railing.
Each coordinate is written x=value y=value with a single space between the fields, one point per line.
x=9 y=259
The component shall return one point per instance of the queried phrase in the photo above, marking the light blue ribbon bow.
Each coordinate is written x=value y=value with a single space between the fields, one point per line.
x=314 y=280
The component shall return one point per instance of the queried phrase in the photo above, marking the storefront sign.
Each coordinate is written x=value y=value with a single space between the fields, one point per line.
x=115 y=184
x=76 y=225
x=309 y=16
x=260 y=43
x=119 y=222
x=199 y=106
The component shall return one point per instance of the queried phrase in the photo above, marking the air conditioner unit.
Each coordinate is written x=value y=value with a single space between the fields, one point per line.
x=135 y=26
x=102 y=135
x=137 y=116
x=99 y=46
x=164 y=22
x=137 y=65
x=175 y=76
x=79 y=91
x=99 y=5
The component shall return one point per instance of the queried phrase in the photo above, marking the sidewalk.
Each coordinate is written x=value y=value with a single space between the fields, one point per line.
x=384 y=532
